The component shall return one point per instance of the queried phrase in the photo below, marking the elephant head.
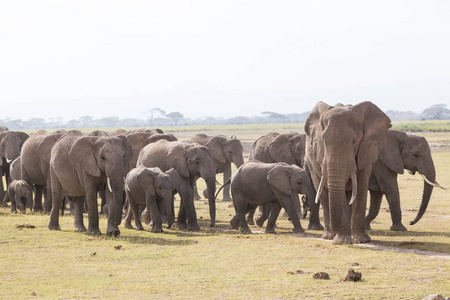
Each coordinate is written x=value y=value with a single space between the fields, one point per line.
x=105 y=156
x=290 y=179
x=226 y=150
x=289 y=148
x=192 y=160
x=342 y=141
x=411 y=152
x=158 y=184
x=10 y=144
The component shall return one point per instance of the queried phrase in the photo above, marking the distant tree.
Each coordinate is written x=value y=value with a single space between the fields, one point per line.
x=274 y=117
x=154 y=113
x=85 y=121
x=176 y=117
x=35 y=123
x=436 y=112
x=238 y=120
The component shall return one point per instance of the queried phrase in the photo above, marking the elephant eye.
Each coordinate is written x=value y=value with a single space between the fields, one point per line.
x=197 y=163
x=102 y=157
x=159 y=187
x=416 y=155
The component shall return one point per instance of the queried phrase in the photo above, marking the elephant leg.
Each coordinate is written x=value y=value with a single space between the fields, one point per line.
x=327 y=233
x=358 y=231
x=2 y=190
x=156 y=216
x=314 y=220
x=187 y=211
x=38 y=199
x=226 y=189
x=393 y=199
x=78 y=214
x=374 y=208
x=234 y=222
x=102 y=194
x=265 y=213
x=134 y=209
x=57 y=198
x=47 y=200
x=241 y=210
x=275 y=209
x=129 y=214
x=289 y=206
x=92 y=208
x=250 y=216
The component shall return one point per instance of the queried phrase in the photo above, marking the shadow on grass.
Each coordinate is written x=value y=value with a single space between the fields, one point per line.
x=378 y=232
x=153 y=240
x=420 y=248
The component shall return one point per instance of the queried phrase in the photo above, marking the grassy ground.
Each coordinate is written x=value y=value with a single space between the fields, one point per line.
x=218 y=262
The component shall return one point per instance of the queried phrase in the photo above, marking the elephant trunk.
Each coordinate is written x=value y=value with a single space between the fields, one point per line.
x=115 y=206
x=211 y=187
x=427 y=190
x=238 y=159
x=168 y=198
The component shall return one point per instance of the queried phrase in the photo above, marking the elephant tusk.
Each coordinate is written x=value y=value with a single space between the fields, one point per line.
x=109 y=184
x=8 y=160
x=435 y=184
x=319 y=189
x=127 y=187
x=354 y=189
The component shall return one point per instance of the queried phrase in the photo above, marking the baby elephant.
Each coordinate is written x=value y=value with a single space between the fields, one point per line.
x=153 y=188
x=256 y=183
x=20 y=194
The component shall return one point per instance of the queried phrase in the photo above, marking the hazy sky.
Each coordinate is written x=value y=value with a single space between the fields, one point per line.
x=219 y=58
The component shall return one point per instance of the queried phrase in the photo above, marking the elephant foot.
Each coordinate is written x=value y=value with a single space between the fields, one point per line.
x=298 y=230
x=361 y=238
x=234 y=222
x=367 y=227
x=157 y=230
x=328 y=235
x=245 y=230
x=79 y=228
x=193 y=227
x=139 y=228
x=315 y=226
x=114 y=233
x=13 y=211
x=93 y=231
x=181 y=226
x=145 y=216
x=260 y=222
x=341 y=239
x=128 y=225
x=54 y=226
x=270 y=230
x=398 y=227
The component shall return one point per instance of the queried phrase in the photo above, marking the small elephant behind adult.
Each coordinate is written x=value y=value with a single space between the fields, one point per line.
x=400 y=151
x=20 y=194
x=257 y=183
x=224 y=151
x=153 y=188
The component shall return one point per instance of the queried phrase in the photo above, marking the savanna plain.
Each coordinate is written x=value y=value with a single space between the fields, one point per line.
x=220 y=263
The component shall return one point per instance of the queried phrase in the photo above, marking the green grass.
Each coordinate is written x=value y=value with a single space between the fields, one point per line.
x=218 y=263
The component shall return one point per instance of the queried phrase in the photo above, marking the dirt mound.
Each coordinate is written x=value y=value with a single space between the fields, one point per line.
x=352 y=275
x=321 y=275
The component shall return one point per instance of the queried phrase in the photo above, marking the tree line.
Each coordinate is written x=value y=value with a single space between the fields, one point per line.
x=158 y=117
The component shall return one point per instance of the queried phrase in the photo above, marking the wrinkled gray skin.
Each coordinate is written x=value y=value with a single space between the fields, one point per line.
x=257 y=183
x=224 y=151
x=20 y=194
x=400 y=151
x=342 y=143
x=190 y=160
x=35 y=166
x=153 y=188
x=288 y=148
x=14 y=173
x=79 y=167
x=10 y=145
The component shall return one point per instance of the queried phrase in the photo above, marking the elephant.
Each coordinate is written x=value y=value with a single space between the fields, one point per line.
x=224 y=151
x=400 y=151
x=20 y=194
x=80 y=166
x=257 y=183
x=10 y=145
x=14 y=173
x=342 y=143
x=4 y=170
x=190 y=160
x=35 y=166
x=275 y=147
x=151 y=187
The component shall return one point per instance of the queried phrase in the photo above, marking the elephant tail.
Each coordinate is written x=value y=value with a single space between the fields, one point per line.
x=226 y=183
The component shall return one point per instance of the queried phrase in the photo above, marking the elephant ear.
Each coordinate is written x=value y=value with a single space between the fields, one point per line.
x=22 y=136
x=391 y=152
x=216 y=146
x=279 y=177
x=180 y=183
x=44 y=149
x=375 y=125
x=313 y=119
x=146 y=179
x=176 y=158
x=127 y=148
x=280 y=150
x=161 y=136
x=82 y=155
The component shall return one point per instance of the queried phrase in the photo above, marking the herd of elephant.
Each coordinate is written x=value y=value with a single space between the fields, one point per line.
x=345 y=152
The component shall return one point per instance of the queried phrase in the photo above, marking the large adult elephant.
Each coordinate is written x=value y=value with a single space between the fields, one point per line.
x=400 y=151
x=224 y=151
x=342 y=143
x=35 y=166
x=190 y=160
x=10 y=145
x=3 y=171
x=80 y=166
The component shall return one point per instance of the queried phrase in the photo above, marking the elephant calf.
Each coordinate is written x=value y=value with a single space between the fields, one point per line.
x=256 y=183
x=153 y=188
x=20 y=194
